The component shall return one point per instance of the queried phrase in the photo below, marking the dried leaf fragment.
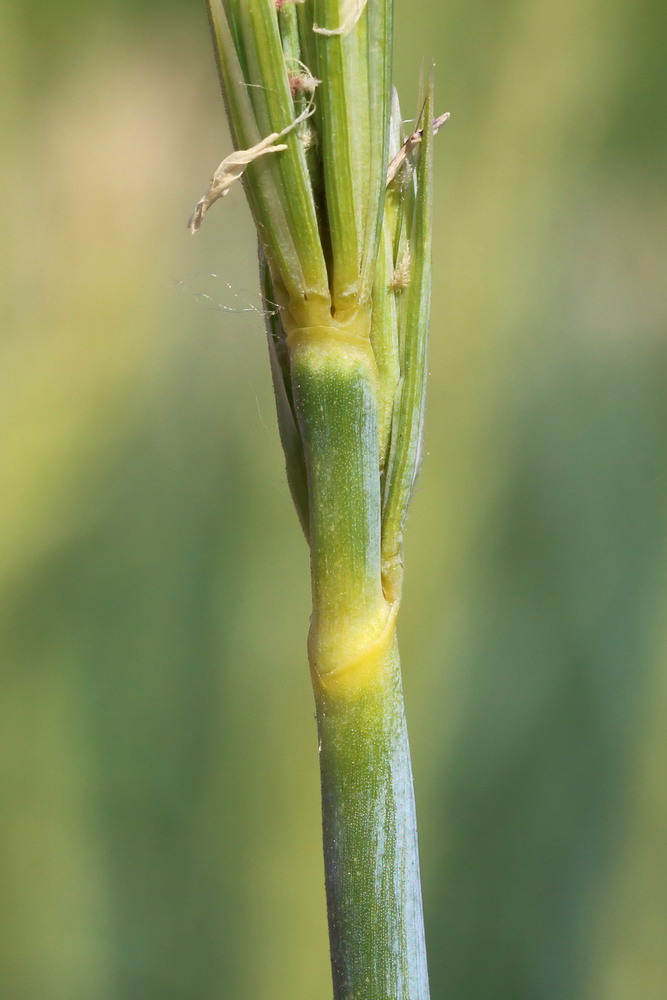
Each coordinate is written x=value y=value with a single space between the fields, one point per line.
x=231 y=169
x=410 y=143
x=351 y=11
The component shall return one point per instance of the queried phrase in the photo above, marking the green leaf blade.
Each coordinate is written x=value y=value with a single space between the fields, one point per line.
x=407 y=430
x=248 y=45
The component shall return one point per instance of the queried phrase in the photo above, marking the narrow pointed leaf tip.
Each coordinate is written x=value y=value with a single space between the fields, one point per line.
x=233 y=167
x=351 y=11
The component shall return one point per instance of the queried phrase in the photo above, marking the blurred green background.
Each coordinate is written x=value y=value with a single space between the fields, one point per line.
x=160 y=827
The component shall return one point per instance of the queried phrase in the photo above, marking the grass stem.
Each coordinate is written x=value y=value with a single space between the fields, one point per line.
x=342 y=207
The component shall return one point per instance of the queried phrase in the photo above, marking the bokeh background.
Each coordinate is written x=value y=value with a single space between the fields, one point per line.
x=160 y=828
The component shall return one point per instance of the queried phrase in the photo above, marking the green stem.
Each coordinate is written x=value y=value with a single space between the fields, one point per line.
x=370 y=839
x=370 y=842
